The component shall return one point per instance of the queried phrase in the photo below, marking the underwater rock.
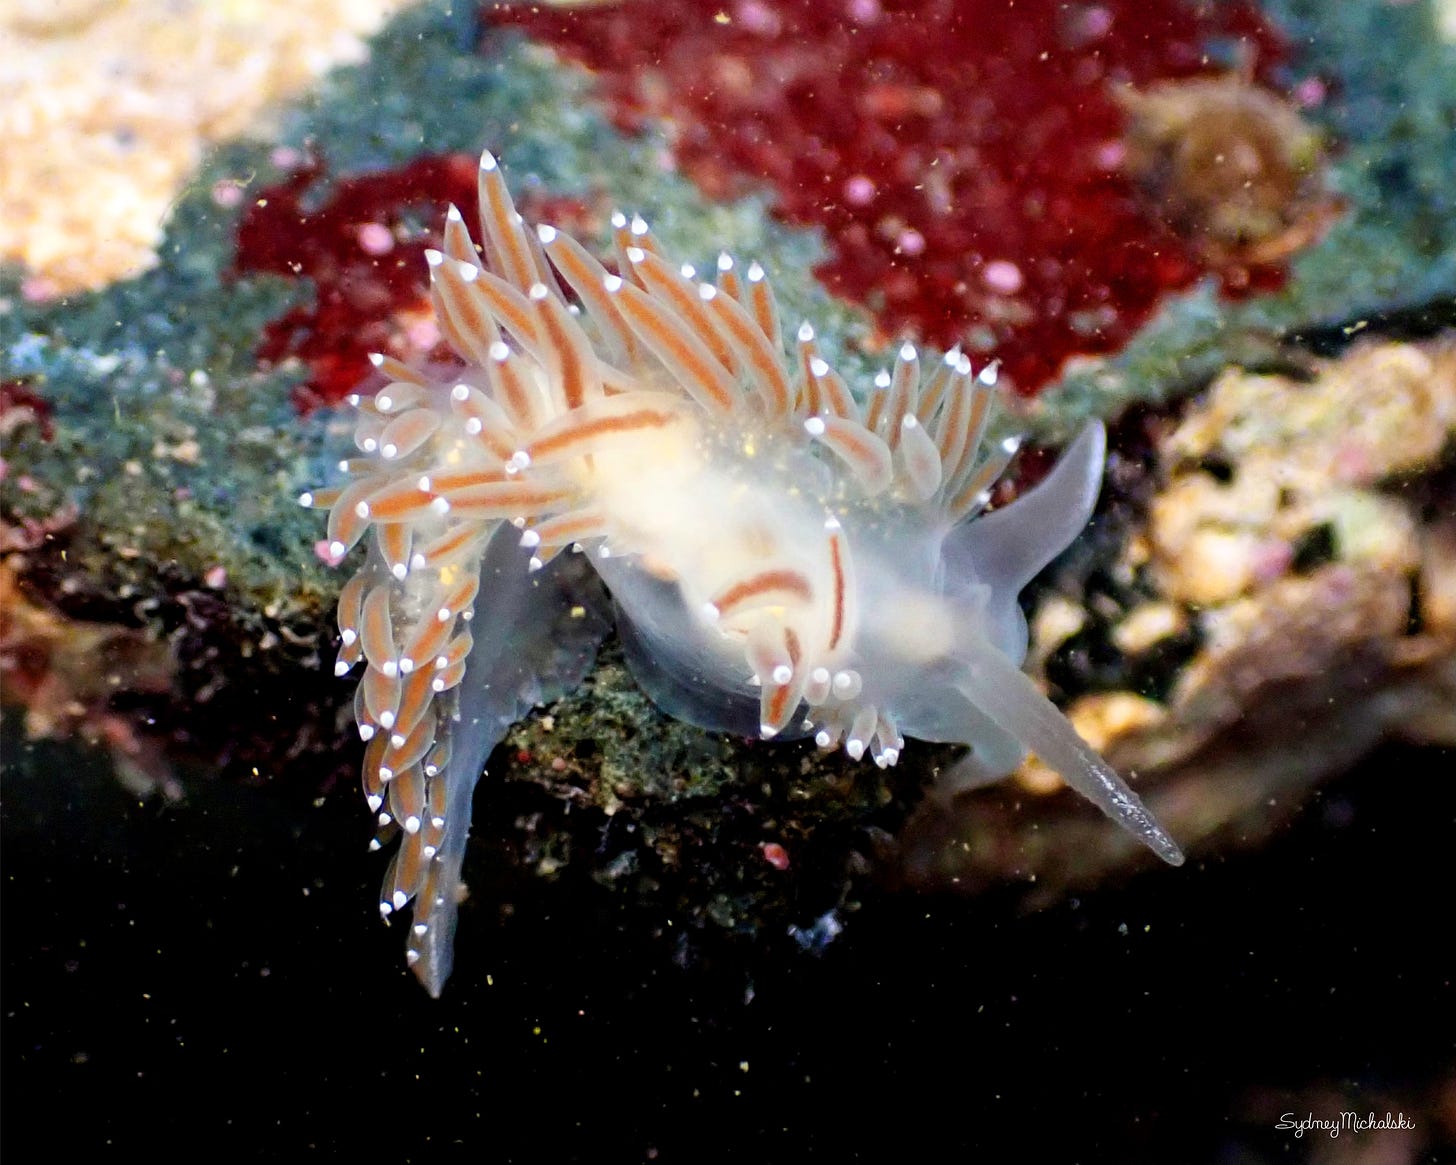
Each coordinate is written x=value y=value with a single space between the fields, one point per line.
x=1299 y=551
x=178 y=449
x=1234 y=169
x=109 y=109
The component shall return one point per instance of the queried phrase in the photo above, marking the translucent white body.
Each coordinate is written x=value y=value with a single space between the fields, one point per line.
x=784 y=559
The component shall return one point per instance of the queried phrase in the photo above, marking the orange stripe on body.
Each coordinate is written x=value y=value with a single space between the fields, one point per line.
x=587 y=431
x=585 y=276
x=407 y=432
x=975 y=430
x=686 y=356
x=416 y=743
x=396 y=370
x=414 y=700
x=980 y=482
x=324 y=499
x=446 y=483
x=932 y=392
x=516 y=390
x=904 y=388
x=436 y=761
x=406 y=871
x=428 y=639
x=834 y=394
x=448 y=677
x=836 y=567
x=789 y=583
x=456 y=337
x=875 y=408
x=505 y=240
x=371 y=781
x=462 y=594
x=351 y=601
x=776 y=709
x=828 y=388
x=381 y=696
x=406 y=791
x=568 y=353
x=953 y=430
x=577 y=526
x=666 y=284
x=510 y=308
x=456 y=542
x=777 y=702
x=458 y=244
x=376 y=628
x=765 y=309
x=345 y=524
x=474 y=326
x=755 y=350
x=393 y=540
x=507 y=499
x=484 y=419
x=401 y=501
x=455 y=651
x=730 y=284
x=809 y=402
x=860 y=449
x=624 y=239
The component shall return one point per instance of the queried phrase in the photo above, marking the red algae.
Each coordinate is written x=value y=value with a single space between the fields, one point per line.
x=362 y=241
x=22 y=405
x=365 y=256
x=964 y=157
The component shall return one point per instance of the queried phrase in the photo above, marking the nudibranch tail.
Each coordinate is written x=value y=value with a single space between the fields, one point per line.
x=784 y=559
x=993 y=684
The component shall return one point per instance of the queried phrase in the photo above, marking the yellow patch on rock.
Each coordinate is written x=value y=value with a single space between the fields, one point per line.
x=109 y=107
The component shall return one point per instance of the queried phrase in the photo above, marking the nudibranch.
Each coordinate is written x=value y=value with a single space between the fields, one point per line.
x=784 y=559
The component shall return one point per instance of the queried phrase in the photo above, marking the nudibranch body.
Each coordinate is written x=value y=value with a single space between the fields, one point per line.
x=783 y=559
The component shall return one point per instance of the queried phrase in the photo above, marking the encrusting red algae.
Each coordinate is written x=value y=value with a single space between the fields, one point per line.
x=364 y=264
x=965 y=158
x=363 y=248
x=990 y=203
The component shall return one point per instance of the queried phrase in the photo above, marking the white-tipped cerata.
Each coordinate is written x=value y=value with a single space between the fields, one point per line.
x=804 y=555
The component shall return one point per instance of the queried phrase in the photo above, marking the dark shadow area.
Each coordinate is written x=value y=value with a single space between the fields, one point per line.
x=210 y=979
